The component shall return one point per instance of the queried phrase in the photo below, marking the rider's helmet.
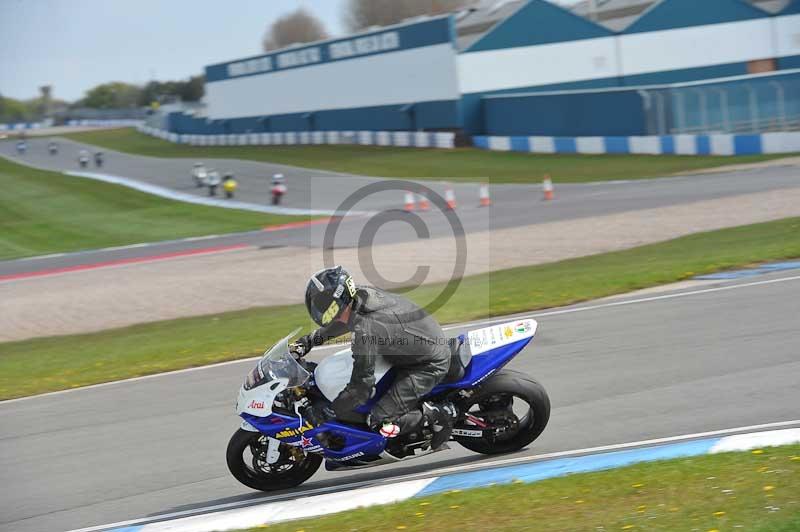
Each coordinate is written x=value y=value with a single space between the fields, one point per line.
x=328 y=293
x=277 y=178
x=196 y=165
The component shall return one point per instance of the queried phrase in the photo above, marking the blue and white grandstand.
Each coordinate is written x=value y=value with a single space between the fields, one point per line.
x=524 y=69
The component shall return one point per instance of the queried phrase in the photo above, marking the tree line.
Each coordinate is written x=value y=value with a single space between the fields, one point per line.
x=300 y=26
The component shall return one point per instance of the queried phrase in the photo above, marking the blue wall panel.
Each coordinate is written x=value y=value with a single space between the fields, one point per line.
x=792 y=61
x=746 y=144
x=617 y=144
x=520 y=144
x=670 y=14
x=703 y=145
x=425 y=115
x=667 y=144
x=612 y=113
x=472 y=109
x=686 y=74
x=538 y=22
x=565 y=145
x=435 y=31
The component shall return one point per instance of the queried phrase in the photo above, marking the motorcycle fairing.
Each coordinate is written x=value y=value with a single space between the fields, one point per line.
x=287 y=429
x=483 y=366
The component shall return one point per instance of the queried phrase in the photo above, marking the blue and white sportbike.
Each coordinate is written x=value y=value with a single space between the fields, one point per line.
x=278 y=447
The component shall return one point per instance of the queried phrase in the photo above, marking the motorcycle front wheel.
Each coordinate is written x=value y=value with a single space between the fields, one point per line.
x=247 y=462
x=514 y=405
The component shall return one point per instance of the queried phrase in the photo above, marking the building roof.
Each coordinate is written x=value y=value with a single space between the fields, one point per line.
x=475 y=21
x=528 y=23
x=478 y=19
x=791 y=8
x=617 y=15
x=670 y=14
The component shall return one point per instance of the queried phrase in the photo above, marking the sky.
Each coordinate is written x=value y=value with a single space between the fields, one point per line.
x=74 y=45
x=77 y=44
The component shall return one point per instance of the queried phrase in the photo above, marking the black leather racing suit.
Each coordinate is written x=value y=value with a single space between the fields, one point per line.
x=409 y=339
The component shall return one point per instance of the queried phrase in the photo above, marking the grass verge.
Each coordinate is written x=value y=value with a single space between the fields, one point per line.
x=48 y=212
x=715 y=493
x=72 y=361
x=462 y=164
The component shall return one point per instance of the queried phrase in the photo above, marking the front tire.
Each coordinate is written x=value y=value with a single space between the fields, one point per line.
x=246 y=457
x=494 y=400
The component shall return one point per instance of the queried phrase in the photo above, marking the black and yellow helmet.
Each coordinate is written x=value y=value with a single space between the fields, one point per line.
x=328 y=293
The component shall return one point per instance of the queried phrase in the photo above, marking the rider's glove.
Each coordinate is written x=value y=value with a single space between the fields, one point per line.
x=297 y=348
x=303 y=344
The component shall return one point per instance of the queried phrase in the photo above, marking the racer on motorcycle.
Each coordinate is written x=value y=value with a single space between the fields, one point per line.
x=387 y=325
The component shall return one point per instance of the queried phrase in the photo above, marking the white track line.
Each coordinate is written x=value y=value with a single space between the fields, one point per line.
x=450 y=327
x=129 y=246
x=441 y=471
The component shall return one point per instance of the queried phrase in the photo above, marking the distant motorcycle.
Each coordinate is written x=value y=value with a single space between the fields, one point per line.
x=52 y=148
x=83 y=158
x=277 y=447
x=98 y=159
x=212 y=181
x=199 y=175
x=22 y=147
x=278 y=189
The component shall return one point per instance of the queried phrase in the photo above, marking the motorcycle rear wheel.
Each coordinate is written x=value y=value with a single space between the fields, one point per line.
x=291 y=470
x=502 y=389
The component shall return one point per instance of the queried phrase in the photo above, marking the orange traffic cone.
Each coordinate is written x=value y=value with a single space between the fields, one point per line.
x=547 y=187
x=450 y=198
x=409 y=202
x=483 y=194
x=424 y=204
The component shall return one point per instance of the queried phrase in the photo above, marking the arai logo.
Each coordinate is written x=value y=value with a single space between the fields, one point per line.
x=256 y=404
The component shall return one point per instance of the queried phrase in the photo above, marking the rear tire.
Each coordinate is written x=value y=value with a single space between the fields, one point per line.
x=248 y=472
x=514 y=384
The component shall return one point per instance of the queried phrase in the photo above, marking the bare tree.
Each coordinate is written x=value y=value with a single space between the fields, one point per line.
x=296 y=27
x=360 y=14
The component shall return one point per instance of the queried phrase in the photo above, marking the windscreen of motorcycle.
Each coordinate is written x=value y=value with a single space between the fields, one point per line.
x=277 y=364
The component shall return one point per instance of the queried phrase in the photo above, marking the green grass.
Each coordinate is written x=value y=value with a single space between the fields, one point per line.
x=48 y=212
x=462 y=164
x=721 y=492
x=72 y=361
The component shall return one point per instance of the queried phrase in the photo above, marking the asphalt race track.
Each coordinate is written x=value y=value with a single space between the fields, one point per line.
x=513 y=205
x=720 y=356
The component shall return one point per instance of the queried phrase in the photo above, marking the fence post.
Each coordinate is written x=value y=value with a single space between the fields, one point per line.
x=680 y=119
x=753 y=99
x=647 y=105
x=702 y=100
x=723 y=105
x=661 y=121
x=781 y=103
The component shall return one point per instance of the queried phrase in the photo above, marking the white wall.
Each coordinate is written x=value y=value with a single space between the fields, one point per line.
x=414 y=75
x=787 y=35
x=732 y=42
x=544 y=64
x=638 y=53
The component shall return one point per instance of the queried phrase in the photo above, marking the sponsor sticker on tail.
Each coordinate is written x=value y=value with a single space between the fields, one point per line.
x=482 y=340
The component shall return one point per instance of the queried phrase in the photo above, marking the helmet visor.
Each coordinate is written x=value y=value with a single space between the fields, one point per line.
x=324 y=309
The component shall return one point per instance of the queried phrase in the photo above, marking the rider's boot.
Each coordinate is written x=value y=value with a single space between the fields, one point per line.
x=439 y=418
